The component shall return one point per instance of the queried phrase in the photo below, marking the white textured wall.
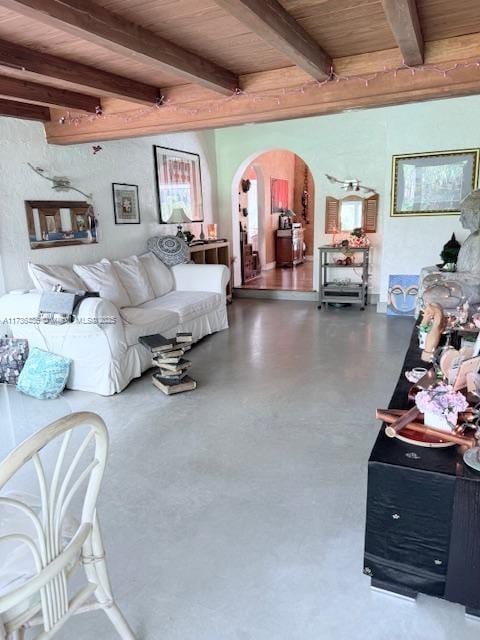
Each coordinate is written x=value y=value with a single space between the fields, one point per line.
x=360 y=144
x=129 y=161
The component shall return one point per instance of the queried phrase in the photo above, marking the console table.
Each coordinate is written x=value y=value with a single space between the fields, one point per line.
x=331 y=291
x=423 y=516
x=212 y=253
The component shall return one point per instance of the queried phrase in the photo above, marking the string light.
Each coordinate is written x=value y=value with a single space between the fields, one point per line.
x=165 y=103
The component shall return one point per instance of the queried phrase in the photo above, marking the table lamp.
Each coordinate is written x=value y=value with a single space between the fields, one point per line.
x=179 y=217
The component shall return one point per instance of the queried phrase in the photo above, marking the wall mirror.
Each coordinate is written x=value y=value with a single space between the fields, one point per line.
x=53 y=223
x=346 y=214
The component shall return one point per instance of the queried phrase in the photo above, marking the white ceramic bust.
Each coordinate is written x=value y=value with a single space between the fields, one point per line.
x=469 y=255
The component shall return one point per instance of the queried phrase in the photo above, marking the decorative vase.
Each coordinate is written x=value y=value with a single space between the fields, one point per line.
x=439 y=421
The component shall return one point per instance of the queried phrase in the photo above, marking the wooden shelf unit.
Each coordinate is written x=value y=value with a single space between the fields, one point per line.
x=213 y=253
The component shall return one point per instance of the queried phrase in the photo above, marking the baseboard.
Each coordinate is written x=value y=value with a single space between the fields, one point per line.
x=276 y=294
x=269 y=266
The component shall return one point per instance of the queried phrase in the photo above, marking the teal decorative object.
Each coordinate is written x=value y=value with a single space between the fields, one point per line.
x=44 y=374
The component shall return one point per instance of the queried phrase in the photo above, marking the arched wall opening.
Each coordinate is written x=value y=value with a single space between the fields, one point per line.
x=282 y=182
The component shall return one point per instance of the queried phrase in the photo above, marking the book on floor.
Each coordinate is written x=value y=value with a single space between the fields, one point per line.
x=157 y=343
x=161 y=359
x=183 y=365
x=184 y=336
x=169 y=377
x=171 y=387
x=174 y=353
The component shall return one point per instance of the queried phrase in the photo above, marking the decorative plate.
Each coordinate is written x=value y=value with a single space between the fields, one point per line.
x=470 y=457
x=422 y=439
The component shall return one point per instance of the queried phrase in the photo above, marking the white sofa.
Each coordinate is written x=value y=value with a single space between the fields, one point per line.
x=103 y=341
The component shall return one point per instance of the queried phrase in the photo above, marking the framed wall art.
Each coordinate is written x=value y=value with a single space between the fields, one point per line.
x=279 y=195
x=402 y=295
x=60 y=223
x=125 y=203
x=179 y=183
x=432 y=184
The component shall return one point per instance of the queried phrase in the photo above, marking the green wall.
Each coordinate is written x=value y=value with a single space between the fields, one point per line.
x=360 y=144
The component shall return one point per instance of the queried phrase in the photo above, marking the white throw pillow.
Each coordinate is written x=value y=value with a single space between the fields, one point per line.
x=102 y=277
x=46 y=277
x=134 y=278
x=159 y=274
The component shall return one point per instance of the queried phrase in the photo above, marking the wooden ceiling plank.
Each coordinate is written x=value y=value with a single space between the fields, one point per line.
x=43 y=66
x=270 y=21
x=31 y=92
x=402 y=16
x=91 y=22
x=24 y=110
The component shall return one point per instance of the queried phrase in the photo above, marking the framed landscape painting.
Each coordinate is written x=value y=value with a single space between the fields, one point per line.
x=432 y=184
x=179 y=183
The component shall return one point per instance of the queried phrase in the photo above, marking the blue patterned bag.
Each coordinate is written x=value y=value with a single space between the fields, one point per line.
x=44 y=374
x=13 y=354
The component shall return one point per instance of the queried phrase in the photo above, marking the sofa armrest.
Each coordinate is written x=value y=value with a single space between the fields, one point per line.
x=97 y=318
x=201 y=277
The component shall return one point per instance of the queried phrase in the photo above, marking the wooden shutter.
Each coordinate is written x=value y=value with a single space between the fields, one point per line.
x=370 y=209
x=332 y=215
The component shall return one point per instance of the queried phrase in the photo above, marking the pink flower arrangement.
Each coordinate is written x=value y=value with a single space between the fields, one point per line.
x=358 y=239
x=442 y=400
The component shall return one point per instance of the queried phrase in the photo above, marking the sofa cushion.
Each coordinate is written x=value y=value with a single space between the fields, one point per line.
x=103 y=278
x=160 y=276
x=46 y=277
x=44 y=374
x=135 y=280
x=171 y=250
x=187 y=304
x=140 y=321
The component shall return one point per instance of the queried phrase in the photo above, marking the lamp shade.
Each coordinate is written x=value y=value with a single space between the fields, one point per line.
x=178 y=216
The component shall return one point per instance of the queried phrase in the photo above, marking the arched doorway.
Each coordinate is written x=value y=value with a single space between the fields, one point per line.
x=273 y=222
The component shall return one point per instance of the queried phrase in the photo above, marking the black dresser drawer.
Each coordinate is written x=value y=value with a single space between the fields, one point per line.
x=408 y=527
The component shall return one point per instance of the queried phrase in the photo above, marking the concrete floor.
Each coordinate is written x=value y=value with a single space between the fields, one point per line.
x=236 y=512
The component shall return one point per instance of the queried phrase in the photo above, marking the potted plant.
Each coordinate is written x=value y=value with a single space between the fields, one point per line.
x=440 y=406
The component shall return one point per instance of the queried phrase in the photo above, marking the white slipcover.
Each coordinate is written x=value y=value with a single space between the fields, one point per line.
x=104 y=346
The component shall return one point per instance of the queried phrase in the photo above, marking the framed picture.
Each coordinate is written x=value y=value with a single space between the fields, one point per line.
x=432 y=184
x=279 y=195
x=402 y=295
x=60 y=223
x=125 y=203
x=179 y=183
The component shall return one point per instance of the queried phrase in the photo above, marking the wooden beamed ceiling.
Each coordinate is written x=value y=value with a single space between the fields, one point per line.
x=402 y=16
x=275 y=25
x=70 y=54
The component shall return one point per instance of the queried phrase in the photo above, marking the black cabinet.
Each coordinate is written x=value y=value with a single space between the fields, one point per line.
x=423 y=515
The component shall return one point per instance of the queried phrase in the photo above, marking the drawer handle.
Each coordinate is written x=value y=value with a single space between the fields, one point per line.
x=438 y=562
x=395 y=516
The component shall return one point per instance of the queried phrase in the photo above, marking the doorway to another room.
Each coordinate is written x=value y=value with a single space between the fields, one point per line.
x=276 y=223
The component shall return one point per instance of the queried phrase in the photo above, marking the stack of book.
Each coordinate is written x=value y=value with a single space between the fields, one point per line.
x=167 y=355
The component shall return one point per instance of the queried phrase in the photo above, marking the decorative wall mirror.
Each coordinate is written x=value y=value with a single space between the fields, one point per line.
x=346 y=214
x=53 y=223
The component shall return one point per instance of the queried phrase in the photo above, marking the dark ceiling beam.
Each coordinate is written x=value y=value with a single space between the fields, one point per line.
x=271 y=22
x=24 y=111
x=89 y=21
x=43 y=66
x=402 y=16
x=31 y=92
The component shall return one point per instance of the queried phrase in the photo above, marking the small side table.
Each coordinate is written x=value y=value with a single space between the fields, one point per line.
x=334 y=292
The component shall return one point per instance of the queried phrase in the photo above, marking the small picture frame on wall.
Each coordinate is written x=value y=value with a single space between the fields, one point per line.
x=433 y=184
x=125 y=203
